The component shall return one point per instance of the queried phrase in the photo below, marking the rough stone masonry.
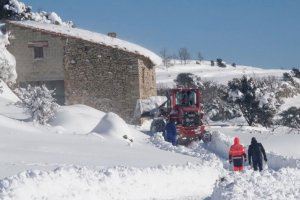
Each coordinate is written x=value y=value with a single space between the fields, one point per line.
x=82 y=72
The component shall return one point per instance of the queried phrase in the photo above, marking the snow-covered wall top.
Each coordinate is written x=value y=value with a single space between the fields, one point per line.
x=92 y=37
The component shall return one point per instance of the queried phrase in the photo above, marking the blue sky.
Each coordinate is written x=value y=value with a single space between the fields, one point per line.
x=251 y=32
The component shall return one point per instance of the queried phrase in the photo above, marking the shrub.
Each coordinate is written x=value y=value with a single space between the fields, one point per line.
x=38 y=102
x=188 y=80
x=220 y=63
x=290 y=118
x=296 y=72
x=257 y=104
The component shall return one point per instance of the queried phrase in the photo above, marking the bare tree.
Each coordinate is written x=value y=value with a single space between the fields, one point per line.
x=166 y=58
x=200 y=57
x=184 y=55
x=174 y=58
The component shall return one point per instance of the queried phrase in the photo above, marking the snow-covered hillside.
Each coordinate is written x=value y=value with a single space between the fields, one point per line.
x=166 y=76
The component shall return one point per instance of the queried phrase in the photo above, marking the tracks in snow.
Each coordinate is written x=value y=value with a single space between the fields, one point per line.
x=280 y=181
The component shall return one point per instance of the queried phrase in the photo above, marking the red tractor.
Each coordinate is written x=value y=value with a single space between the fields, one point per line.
x=184 y=107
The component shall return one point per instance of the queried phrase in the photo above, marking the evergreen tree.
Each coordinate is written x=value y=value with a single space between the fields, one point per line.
x=38 y=102
x=256 y=104
x=290 y=118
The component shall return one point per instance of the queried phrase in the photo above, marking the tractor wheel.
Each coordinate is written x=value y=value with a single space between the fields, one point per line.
x=157 y=125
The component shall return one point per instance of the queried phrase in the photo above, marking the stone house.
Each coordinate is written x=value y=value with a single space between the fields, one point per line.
x=84 y=67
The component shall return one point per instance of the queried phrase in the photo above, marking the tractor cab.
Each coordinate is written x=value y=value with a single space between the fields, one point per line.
x=183 y=106
x=185 y=109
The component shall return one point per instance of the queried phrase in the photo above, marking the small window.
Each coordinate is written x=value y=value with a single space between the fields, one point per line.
x=38 y=52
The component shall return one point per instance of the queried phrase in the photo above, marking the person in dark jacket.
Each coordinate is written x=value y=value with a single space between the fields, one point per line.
x=256 y=154
x=170 y=132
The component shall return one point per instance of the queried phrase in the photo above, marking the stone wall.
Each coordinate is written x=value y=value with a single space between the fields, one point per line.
x=29 y=69
x=106 y=78
x=103 y=77
x=147 y=80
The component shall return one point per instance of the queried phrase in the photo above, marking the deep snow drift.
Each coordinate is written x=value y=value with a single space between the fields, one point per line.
x=112 y=125
x=171 y=182
x=281 y=185
x=76 y=119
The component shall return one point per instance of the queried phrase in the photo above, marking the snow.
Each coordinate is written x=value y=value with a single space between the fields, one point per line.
x=76 y=119
x=235 y=95
x=165 y=76
x=7 y=93
x=290 y=102
x=283 y=184
x=16 y=6
x=70 y=140
x=54 y=18
x=83 y=155
x=146 y=105
x=279 y=145
x=7 y=61
x=111 y=125
x=7 y=104
x=110 y=184
x=92 y=37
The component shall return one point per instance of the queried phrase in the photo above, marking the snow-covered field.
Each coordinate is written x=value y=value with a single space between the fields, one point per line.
x=166 y=76
x=82 y=155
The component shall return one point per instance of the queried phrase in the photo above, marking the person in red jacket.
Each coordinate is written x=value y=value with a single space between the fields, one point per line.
x=237 y=155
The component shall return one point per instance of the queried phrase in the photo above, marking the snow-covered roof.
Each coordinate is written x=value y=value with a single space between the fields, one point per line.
x=92 y=37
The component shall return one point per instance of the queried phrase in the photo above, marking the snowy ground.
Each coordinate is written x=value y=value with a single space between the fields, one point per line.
x=83 y=155
x=166 y=76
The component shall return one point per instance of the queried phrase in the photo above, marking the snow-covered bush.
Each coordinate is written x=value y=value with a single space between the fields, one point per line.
x=289 y=86
x=290 y=118
x=296 y=72
x=13 y=9
x=257 y=104
x=220 y=63
x=185 y=80
x=16 y=10
x=7 y=61
x=38 y=102
x=215 y=104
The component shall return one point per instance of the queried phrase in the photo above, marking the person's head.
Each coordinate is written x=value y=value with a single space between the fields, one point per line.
x=236 y=140
x=253 y=140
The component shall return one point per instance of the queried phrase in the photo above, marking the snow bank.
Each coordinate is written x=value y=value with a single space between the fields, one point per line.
x=7 y=93
x=7 y=104
x=77 y=119
x=219 y=145
x=172 y=182
x=195 y=150
x=92 y=37
x=112 y=125
x=283 y=184
x=276 y=161
x=7 y=61
x=146 y=105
